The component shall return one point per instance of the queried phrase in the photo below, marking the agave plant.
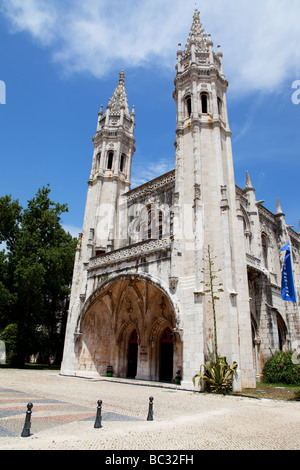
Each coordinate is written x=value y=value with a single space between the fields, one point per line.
x=217 y=375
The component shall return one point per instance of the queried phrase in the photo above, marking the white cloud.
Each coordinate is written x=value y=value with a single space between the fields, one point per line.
x=142 y=174
x=37 y=18
x=72 y=230
x=260 y=39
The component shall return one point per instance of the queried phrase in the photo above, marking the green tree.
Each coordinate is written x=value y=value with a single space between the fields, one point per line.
x=10 y=217
x=38 y=263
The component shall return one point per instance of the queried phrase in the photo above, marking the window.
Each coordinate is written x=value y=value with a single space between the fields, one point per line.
x=100 y=252
x=147 y=223
x=188 y=104
x=160 y=224
x=220 y=107
x=122 y=162
x=264 y=247
x=149 y=230
x=171 y=222
x=110 y=160
x=152 y=223
x=204 y=103
x=98 y=158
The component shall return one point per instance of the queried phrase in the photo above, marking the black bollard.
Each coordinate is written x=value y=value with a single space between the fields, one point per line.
x=150 y=412
x=98 y=415
x=27 y=424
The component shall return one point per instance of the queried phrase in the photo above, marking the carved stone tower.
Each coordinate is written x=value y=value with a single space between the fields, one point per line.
x=206 y=213
x=111 y=171
x=109 y=179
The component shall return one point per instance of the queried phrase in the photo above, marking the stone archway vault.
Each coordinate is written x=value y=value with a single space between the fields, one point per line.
x=120 y=308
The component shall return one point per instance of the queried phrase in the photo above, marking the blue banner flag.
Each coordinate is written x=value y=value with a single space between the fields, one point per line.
x=287 y=282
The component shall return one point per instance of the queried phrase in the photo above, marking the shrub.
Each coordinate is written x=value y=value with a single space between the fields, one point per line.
x=297 y=395
x=217 y=375
x=281 y=369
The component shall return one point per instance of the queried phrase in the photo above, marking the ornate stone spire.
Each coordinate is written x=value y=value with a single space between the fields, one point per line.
x=197 y=35
x=248 y=181
x=279 y=211
x=119 y=98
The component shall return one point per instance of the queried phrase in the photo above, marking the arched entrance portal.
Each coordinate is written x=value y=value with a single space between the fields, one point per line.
x=132 y=355
x=130 y=324
x=166 y=356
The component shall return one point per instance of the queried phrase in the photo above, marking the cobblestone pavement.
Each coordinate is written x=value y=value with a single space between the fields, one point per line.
x=64 y=412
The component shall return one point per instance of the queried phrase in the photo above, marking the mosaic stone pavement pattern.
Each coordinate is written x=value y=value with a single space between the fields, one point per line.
x=46 y=413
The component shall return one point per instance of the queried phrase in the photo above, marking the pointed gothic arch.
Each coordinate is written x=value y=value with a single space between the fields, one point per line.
x=282 y=333
x=124 y=308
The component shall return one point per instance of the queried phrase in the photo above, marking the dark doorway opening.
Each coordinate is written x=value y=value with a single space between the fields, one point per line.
x=132 y=355
x=166 y=356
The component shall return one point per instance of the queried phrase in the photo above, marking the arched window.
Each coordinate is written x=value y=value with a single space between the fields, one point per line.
x=98 y=158
x=282 y=332
x=122 y=162
x=264 y=249
x=204 y=103
x=110 y=159
x=171 y=222
x=160 y=224
x=220 y=107
x=149 y=228
x=188 y=105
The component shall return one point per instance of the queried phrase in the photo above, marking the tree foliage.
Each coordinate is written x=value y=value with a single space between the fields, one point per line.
x=35 y=274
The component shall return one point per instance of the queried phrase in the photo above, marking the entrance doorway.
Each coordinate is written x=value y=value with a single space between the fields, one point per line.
x=166 y=356
x=132 y=355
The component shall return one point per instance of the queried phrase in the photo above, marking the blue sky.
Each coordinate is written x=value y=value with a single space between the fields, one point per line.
x=60 y=60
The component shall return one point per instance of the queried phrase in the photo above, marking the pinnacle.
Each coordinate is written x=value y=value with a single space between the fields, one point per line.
x=248 y=180
x=122 y=77
x=119 y=98
x=278 y=210
x=197 y=34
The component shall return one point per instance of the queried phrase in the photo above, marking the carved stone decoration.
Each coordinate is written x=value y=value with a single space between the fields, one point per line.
x=178 y=331
x=128 y=252
x=176 y=198
x=150 y=188
x=173 y=281
x=79 y=243
x=224 y=200
x=197 y=190
x=197 y=35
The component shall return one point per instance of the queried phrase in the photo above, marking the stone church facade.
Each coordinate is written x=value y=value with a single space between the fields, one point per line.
x=139 y=300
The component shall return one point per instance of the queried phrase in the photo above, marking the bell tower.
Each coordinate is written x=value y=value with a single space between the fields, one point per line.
x=205 y=212
x=111 y=172
x=109 y=178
